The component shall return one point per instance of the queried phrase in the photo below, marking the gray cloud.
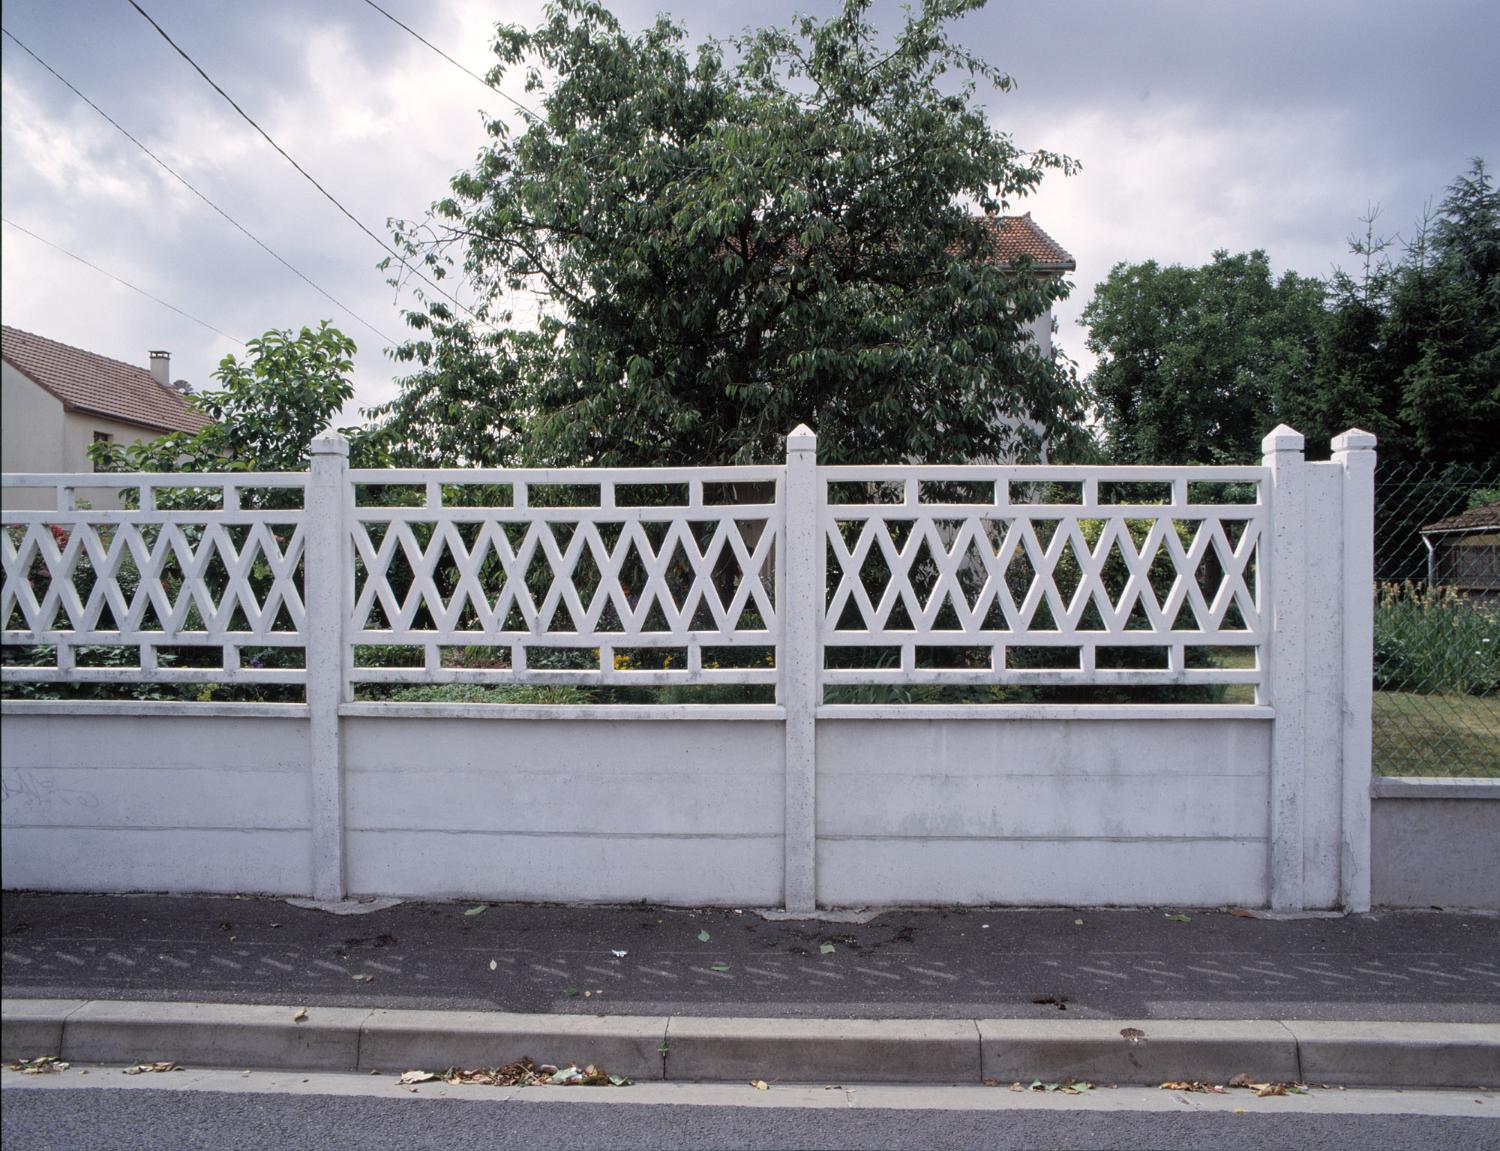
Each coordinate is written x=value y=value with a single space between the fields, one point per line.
x=1199 y=126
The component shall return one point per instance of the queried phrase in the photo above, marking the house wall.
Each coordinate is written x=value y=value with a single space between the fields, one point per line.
x=40 y=435
x=31 y=435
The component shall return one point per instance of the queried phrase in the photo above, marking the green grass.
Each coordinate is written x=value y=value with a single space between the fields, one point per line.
x=1441 y=735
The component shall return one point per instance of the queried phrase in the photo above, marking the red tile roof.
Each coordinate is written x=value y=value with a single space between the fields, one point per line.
x=1486 y=517
x=86 y=382
x=1018 y=236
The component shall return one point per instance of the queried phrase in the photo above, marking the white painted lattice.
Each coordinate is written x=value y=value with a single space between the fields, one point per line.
x=1042 y=575
x=653 y=576
x=200 y=582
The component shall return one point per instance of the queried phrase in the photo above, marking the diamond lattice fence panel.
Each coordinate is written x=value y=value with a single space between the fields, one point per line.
x=666 y=576
x=196 y=580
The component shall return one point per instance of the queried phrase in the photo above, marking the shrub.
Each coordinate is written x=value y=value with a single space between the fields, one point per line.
x=1433 y=640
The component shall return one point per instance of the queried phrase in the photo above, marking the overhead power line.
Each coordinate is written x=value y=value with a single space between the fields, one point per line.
x=184 y=182
x=451 y=60
x=358 y=223
x=118 y=280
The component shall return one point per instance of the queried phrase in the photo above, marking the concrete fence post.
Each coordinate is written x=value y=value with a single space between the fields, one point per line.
x=1286 y=651
x=324 y=591
x=1355 y=452
x=798 y=680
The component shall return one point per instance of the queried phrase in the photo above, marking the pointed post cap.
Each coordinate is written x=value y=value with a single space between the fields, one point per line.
x=1283 y=439
x=329 y=444
x=802 y=439
x=1354 y=440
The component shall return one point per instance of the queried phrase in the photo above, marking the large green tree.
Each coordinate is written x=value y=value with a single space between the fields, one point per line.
x=1196 y=364
x=1192 y=359
x=268 y=407
x=731 y=238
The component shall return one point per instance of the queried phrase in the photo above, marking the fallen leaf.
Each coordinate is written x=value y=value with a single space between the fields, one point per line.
x=410 y=1077
x=703 y=937
x=1240 y=1080
x=1017 y=1087
x=760 y=1085
x=1077 y=923
x=619 y=954
x=826 y=949
x=1133 y=1034
x=493 y=965
x=1241 y=1111
x=990 y=1081
x=1180 y=918
x=480 y=910
x=299 y=1015
x=1241 y=913
x=363 y=978
x=571 y=992
x=721 y=967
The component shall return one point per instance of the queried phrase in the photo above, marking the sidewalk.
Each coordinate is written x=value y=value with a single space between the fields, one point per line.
x=1006 y=990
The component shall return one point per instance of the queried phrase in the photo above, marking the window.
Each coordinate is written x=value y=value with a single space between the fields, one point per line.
x=102 y=438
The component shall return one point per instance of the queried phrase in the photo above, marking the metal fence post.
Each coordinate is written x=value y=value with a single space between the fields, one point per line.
x=324 y=590
x=1355 y=451
x=1287 y=662
x=799 y=679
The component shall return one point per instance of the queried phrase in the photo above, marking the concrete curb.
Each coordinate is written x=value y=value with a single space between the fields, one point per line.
x=679 y=1048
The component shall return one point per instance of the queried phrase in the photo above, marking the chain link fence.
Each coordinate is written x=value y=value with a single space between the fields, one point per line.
x=1437 y=619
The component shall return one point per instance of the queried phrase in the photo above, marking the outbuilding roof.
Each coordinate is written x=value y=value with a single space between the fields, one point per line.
x=1486 y=517
x=98 y=385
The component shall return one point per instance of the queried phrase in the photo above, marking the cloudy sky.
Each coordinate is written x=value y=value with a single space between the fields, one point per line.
x=1199 y=126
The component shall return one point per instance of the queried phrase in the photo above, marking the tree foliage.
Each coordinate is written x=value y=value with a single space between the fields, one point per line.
x=1192 y=359
x=270 y=406
x=732 y=238
x=1196 y=364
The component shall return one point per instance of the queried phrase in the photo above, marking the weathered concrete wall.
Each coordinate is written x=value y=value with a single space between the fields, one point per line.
x=137 y=798
x=671 y=810
x=1436 y=843
x=1042 y=811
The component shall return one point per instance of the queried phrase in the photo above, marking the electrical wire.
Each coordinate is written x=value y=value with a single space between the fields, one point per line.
x=303 y=171
x=118 y=280
x=184 y=182
x=451 y=60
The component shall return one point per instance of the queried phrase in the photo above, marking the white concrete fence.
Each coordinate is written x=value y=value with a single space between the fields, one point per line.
x=808 y=578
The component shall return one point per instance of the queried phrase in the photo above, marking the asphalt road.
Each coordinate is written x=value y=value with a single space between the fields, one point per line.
x=113 y=1120
x=1135 y=964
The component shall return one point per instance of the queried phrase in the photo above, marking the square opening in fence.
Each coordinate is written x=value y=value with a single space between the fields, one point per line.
x=861 y=658
x=1222 y=492
x=1056 y=492
x=1132 y=658
x=728 y=658
x=562 y=495
x=749 y=493
x=1043 y=659
x=1135 y=492
x=649 y=659
x=879 y=492
x=273 y=658
x=940 y=492
x=562 y=659
x=651 y=495
x=259 y=497
x=388 y=655
x=478 y=495
x=474 y=656
x=390 y=495
x=1221 y=658
x=944 y=658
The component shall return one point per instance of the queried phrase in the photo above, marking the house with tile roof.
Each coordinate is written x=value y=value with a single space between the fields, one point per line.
x=1019 y=238
x=56 y=400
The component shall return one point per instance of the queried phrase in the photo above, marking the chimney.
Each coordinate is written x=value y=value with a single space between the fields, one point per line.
x=161 y=368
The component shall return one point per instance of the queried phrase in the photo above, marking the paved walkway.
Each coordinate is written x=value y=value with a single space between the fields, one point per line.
x=934 y=963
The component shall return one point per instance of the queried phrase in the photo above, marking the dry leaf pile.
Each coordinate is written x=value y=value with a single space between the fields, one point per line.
x=1262 y=1090
x=41 y=1065
x=157 y=1067
x=523 y=1073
